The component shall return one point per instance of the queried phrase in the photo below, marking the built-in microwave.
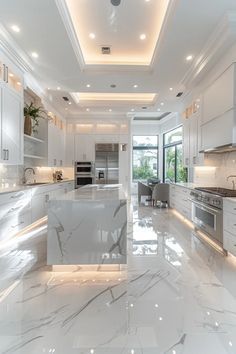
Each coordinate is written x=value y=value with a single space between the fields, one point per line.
x=84 y=167
x=83 y=180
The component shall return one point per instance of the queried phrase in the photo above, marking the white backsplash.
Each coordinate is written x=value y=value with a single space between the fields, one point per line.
x=13 y=175
x=217 y=168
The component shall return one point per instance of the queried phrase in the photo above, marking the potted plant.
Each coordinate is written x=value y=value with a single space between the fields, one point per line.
x=32 y=116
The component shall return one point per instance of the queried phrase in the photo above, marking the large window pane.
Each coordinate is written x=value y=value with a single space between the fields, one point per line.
x=145 y=157
x=173 y=157
x=170 y=164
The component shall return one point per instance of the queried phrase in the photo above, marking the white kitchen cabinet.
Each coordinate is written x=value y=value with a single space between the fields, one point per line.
x=11 y=126
x=56 y=146
x=192 y=141
x=229 y=222
x=70 y=150
x=84 y=147
x=179 y=200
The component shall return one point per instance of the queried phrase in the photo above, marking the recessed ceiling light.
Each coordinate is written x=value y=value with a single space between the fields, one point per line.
x=171 y=88
x=87 y=109
x=34 y=55
x=11 y=75
x=142 y=36
x=135 y=86
x=69 y=102
x=92 y=35
x=132 y=110
x=189 y=57
x=162 y=103
x=88 y=85
x=147 y=0
x=48 y=88
x=110 y=110
x=58 y=88
x=15 y=28
x=18 y=83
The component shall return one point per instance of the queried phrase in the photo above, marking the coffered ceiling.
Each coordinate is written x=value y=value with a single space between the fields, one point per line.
x=69 y=58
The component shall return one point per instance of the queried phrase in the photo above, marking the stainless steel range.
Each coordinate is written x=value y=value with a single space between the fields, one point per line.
x=207 y=210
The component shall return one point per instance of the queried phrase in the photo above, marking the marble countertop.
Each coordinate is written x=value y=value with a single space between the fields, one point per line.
x=233 y=199
x=97 y=192
x=22 y=187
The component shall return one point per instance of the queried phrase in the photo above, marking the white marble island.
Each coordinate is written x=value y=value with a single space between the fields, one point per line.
x=88 y=226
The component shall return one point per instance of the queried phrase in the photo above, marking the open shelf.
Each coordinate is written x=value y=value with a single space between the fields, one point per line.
x=32 y=138
x=34 y=157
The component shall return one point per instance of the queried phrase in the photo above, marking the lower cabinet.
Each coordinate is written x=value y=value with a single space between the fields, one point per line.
x=179 y=200
x=229 y=222
x=20 y=209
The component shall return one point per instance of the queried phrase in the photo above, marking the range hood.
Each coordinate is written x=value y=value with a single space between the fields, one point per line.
x=220 y=149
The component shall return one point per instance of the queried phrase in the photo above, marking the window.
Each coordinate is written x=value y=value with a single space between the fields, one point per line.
x=145 y=157
x=173 y=170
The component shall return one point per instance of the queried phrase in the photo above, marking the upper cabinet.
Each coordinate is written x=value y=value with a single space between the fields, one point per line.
x=11 y=113
x=191 y=135
x=56 y=142
x=219 y=115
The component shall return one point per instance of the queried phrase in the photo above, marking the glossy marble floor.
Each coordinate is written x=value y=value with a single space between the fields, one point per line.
x=176 y=296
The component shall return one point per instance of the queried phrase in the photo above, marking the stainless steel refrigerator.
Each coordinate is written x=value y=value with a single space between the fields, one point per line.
x=107 y=163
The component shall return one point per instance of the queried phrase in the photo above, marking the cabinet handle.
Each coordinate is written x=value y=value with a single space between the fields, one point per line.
x=194 y=160
x=14 y=209
x=55 y=162
x=7 y=154
x=4 y=154
x=61 y=162
x=47 y=198
x=186 y=161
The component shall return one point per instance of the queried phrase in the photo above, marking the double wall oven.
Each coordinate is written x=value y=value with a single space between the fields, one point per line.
x=84 y=173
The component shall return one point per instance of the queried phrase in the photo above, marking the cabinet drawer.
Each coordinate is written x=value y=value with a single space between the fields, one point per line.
x=230 y=207
x=230 y=223
x=229 y=243
x=10 y=227
x=14 y=196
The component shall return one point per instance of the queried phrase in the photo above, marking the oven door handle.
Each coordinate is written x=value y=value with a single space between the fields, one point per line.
x=206 y=207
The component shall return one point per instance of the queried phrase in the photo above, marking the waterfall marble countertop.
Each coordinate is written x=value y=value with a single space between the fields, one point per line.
x=22 y=187
x=88 y=226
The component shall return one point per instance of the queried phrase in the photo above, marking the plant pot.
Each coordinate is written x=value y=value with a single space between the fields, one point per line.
x=28 y=125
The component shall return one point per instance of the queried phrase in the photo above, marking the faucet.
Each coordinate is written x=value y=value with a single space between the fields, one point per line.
x=233 y=182
x=25 y=170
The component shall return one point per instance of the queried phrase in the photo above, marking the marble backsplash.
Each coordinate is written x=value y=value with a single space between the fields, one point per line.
x=13 y=175
x=216 y=170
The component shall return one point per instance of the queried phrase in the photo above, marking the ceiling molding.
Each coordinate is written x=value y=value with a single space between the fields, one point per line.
x=220 y=40
x=14 y=52
x=169 y=13
x=67 y=21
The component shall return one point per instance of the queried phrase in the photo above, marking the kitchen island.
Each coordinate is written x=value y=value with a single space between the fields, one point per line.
x=88 y=226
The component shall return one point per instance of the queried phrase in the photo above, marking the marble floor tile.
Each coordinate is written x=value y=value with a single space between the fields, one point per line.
x=177 y=296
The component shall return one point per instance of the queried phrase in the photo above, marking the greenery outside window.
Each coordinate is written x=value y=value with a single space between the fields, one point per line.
x=173 y=170
x=145 y=157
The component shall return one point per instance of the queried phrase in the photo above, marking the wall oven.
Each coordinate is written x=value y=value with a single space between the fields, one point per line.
x=84 y=168
x=84 y=173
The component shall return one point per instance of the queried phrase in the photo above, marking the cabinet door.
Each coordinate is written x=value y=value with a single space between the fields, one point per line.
x=12 y=129
x=84 y=148
x=193 y=140
x=38 y=207
x=52 y=145
x=70 y=150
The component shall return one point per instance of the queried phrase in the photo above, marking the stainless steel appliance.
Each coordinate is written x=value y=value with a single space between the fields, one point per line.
x=107 y=163
x=84 y=173
x=207 y=210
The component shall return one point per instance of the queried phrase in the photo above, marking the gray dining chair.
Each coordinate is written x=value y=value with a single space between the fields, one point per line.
x=161 y=193
x=144 y=190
